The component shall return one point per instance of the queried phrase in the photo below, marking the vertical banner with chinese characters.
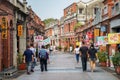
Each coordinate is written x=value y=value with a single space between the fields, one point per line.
x=20 y=30
x=4 y=27
x=96 y=33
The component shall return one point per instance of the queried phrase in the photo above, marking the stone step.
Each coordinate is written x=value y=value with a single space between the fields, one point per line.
x=8 y=73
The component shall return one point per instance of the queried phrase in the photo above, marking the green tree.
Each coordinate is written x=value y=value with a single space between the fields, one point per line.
x=47 y=21
x=77 y=25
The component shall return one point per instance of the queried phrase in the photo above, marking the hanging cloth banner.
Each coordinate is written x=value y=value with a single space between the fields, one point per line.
x=46 y=41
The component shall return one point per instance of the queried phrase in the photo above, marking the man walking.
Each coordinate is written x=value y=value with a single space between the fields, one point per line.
x=28 y=58
x=83 y=54
x=43 y=55
x=35 y=59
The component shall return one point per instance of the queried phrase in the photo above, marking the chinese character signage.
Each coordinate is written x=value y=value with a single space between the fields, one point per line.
x=38 y=38
x=20 y=30
x=4 y=28
x=96 y=32
x=114 y=38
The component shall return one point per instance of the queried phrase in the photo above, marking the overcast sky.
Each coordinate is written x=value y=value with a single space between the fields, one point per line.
x=50 y=8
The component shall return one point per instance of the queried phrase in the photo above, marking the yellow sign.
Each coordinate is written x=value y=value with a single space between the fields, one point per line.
x=113 y=38
x=4 y=35
x=96 y=32
x=20 y=30
x=4 y=28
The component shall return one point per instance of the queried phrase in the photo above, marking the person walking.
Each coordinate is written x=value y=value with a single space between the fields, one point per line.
x=84 y=54
x=35 y=59
x=76 y=51
x=44 y=56
x=50 y=49
x=28 y=58
x=92 y=54
x=71 y=49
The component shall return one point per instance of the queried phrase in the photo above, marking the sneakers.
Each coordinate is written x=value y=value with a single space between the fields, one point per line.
x=28 y=73
x=32 y=70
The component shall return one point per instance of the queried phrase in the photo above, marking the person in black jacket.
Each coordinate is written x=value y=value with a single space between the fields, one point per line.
x=92 y=53
x=84 y=55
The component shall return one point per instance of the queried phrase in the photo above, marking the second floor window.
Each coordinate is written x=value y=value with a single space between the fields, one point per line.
x=80 y=10
x=95 y=10
x=105 y=10
x=117 y=7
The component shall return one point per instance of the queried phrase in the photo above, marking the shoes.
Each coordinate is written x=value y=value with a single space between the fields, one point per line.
x=28 y=73
x=32 y=70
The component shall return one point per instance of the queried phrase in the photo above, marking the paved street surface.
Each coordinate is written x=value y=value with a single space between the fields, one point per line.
x=63 y=67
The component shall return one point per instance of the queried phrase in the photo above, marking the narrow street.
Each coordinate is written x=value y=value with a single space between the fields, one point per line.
x=63 y=67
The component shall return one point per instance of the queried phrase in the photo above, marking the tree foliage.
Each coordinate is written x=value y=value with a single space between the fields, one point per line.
x=77 y=25
x=47 y=21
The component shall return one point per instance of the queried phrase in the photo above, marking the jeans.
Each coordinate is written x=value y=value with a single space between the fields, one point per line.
x=33 y=65
x=28 y=66
x=77 y=57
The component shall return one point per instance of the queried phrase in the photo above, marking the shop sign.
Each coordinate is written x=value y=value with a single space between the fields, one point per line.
x=46 y=41
x=38 y=38
x=102 y=40
x=96 y=32
x=114 y=38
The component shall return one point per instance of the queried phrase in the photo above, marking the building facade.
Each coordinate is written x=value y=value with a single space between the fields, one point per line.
x=70 y=19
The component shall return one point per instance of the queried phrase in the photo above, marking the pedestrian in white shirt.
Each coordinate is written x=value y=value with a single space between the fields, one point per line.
x=77 y=53
x=35 y=59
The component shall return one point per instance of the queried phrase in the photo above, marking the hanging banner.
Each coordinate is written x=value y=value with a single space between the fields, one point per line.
x=46 y=41
x=38 y=38
x=96 y=32
x=102 y=40
x=114 y=38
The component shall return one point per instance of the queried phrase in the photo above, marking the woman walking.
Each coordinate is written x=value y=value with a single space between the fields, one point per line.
x=92 y=54
x=76 y=51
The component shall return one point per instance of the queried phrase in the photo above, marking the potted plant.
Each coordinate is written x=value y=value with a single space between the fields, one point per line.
x=116 y=62
x=21 y=65
x=102 y=56
x=59 y=48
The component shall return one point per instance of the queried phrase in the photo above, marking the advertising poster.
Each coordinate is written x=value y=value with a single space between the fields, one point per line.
x=114 y=38
x=102 y=40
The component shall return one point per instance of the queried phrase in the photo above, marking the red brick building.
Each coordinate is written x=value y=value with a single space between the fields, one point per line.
x=69 y=22
x=34 y=26
x=6 y=44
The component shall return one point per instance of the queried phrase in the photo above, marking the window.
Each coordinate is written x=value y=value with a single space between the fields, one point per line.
x=117 y=7
x=95 y=10
x=69 y=26
x=105 y=10
x=80 y=10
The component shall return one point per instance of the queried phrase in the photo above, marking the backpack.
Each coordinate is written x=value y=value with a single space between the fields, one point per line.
x=43 y=54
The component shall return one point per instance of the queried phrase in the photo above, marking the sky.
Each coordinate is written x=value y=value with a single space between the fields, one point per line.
x=50 y=8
